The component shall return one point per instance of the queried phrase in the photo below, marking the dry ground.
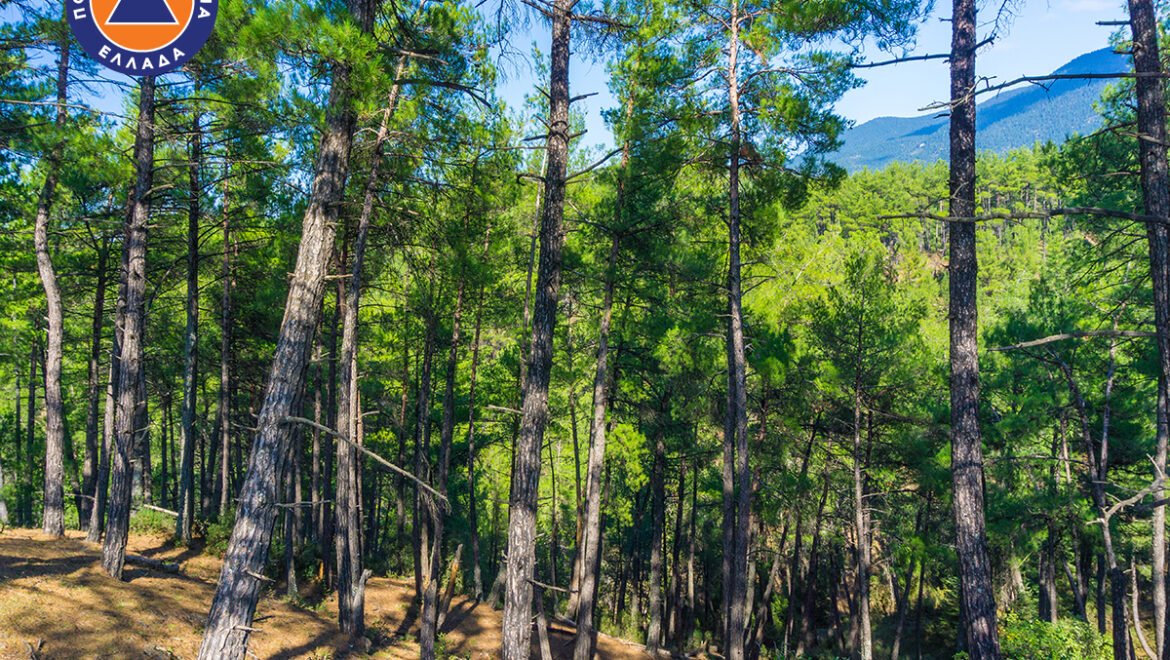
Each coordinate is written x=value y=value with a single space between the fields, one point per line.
x=54 y=597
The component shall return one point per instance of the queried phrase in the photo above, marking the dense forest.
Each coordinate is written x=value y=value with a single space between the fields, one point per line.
x=322 y=304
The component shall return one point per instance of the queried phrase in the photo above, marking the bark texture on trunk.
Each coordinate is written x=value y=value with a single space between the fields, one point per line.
x=94 y=446
x=863 y=631
x=657 y=527
x=223 y=482
x=534 y=411
x=132 y=321
x=1155 y=180
x=97 y=515
x=591 y=534
x=472 y=500
x=53 y=520
x=736 y=517
x=234 y=605
x=431 y=611
x=186 y=503
x=976 y=588
x=351 y=610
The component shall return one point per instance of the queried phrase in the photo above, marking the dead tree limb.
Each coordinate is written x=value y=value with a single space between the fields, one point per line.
x=1072 y=335
x=383 y=462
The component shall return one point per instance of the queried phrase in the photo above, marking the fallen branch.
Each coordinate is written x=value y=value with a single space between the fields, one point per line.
x=1029 y=215
x=294 y=505
x=385 y=463
x=1072 y=335
x=153 y=564
x=552 y=587
x=257 y=576
x=1121 y=505
x=161 y=510
x=594 y=166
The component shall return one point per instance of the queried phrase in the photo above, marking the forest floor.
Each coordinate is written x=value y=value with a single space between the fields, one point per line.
x=55 y=602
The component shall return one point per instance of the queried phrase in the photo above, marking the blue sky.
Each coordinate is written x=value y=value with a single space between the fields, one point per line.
x=1041 y=35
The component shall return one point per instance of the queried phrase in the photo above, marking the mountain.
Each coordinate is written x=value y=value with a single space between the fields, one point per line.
x=1019 y=117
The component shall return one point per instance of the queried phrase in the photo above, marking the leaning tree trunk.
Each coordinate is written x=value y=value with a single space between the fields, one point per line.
x=534 y=411
x=735 y=427
x=53 y=521
x=234 y=605
x=976 y=589
x=1155 y=178
x=186 y=505
x=132 y=321
x=351 y=606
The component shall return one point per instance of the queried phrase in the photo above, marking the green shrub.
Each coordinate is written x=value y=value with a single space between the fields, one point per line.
x=1069 y=639
x=218 y=533
x=149 y=521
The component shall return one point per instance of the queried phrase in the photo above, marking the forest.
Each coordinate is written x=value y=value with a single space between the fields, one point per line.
x=323 y=309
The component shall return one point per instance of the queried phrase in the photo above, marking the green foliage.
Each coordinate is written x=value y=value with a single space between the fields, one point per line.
x=149 y=521
x=217 y=533
x=1069 y=639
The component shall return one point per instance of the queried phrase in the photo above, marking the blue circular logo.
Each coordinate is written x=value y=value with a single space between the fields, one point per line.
x=142 y=37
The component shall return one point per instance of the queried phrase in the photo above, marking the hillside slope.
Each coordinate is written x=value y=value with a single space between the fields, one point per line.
x=56 y=603
x=1012 y=119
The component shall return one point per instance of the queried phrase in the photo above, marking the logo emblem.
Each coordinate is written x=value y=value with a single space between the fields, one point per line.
x=142 y=37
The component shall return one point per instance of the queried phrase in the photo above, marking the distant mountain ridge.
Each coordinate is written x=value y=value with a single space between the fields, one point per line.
x=1015 y=118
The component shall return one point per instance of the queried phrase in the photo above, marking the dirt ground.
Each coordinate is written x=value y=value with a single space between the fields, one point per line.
x=56 y=603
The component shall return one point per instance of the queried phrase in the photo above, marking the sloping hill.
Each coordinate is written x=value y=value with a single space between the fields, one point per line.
x=55 y=602
x=1014 y=118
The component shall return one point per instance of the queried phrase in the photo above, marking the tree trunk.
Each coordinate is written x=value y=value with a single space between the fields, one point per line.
x=1155 y=179
x=164 y=442
x=186 y=505
x=97 y=519
x=422 y=447
x=234 y=605
x=690 y=613
x=657 y=528
x=94 y=444
x=863 y=631
x=736 y=518
x=351 y=614
x=918 y=608
x=132 y=323
x=290 y=556
x=53 y=521
x=674 y=625
x=976 y=590
x=26 y=480
x=1137 y=614
x=808 y=631
x=143 y=441
x=517 y=625
x=315 y=477
x=223 y=485
x=472 y=504
x=430 y=610
x=1048 y=600
x=903 y=603
x=1100 y=594
x=591 y=534
x=1099 y=477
